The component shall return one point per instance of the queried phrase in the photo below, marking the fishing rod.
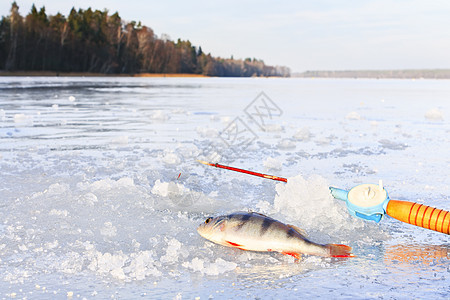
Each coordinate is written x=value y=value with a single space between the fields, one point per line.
x=372 y=202
x=243 y=171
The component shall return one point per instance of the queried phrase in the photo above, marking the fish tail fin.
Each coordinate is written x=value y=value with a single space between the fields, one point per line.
x=337 y=250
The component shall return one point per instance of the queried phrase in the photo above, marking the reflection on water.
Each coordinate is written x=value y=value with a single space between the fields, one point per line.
x=416 y=254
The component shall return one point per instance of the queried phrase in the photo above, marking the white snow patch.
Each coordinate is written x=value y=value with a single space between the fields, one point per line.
x=108 y=230
x=214 y=194
x=22 y=118
x=72 y=264
x=159 y=115
x=172 y=251
x=136 y=266
x=434 y=115
x=309 y=204
x=146 y=269
x=88 y=199
x=225 y=120
x=107 y=184
x=322 y=141
x=272 y=163
x=385 y=143
x=218 y=267
x=188 y=151
x=60 y=213
x=170 y=158
x=302 y=134
x=51 y=245
x=166 y=189
x=273 y=128
x=212 y=157
x=180 y=111
x=120 y=140
x=207 y=132
x=286 y=144
x=353 y=116
x=141 y=266
x=196 y=264
x=57 y=188
x=109 y=263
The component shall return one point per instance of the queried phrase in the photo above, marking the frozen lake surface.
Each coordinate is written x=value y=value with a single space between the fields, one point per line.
x=101 y=194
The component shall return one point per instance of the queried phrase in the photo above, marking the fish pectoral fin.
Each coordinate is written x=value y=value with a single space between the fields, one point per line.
x=297 y=256
x=235 y=245
x=299 y=230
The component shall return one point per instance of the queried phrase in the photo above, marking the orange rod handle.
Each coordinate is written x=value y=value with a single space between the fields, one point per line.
x=420 y=215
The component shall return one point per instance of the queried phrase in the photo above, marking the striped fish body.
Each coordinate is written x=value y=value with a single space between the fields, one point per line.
x=256 y=232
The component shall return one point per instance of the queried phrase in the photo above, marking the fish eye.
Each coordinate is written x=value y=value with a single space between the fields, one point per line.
x=208 y=220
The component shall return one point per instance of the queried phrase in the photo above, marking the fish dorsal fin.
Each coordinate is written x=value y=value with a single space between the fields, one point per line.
x=298 y=230
x=254 y=212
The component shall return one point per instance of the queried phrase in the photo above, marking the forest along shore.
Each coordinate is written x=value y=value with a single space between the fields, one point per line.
x=88 y=74
x=93 y=41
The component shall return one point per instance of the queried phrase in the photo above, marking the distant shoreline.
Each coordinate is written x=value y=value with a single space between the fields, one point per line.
x=378 y=74
x=88 y=74
x=368 y=74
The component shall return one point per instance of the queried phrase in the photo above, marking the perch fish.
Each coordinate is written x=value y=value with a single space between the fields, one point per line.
x=256 y=232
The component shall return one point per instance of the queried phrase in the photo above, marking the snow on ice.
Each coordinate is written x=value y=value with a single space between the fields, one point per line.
x=107 y=202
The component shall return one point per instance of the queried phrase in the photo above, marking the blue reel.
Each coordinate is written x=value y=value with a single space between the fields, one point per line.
x=365 y=201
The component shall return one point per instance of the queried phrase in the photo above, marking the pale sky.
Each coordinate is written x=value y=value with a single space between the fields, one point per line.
x=303 y=35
